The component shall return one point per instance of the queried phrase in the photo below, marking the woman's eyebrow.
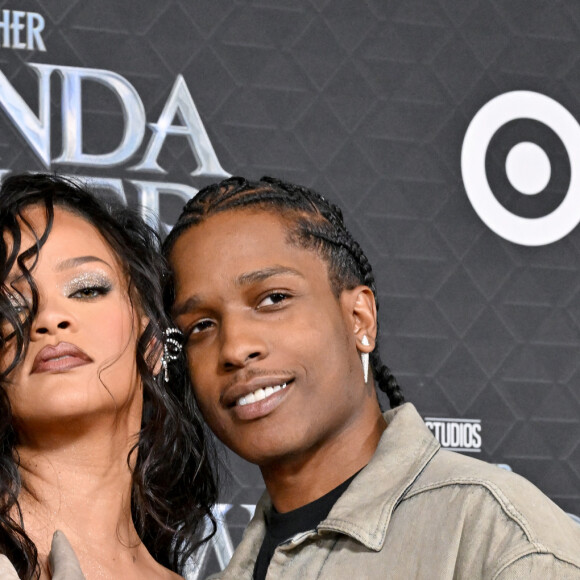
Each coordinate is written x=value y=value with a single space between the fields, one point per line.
x=61 y=266
x=78 y=261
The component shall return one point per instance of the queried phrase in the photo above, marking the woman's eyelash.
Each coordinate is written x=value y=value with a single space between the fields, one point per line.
x=91 y=291
x=89 y=285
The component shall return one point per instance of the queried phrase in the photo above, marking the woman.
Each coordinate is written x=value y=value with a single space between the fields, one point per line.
x=100 y=438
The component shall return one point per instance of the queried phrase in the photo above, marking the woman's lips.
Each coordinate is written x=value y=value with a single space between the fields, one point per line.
x=62 y=357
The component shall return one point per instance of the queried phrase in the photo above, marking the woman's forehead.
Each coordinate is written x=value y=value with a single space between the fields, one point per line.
x=71 y=237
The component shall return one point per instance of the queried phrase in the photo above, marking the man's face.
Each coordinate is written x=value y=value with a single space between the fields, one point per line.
x=271 y=350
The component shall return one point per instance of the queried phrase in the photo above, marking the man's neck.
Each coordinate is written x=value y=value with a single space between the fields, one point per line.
x=293 y=482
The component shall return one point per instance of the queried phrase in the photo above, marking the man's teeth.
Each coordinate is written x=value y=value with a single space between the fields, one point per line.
x=259 y=395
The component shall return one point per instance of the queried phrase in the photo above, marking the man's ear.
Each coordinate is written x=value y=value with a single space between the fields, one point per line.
x=361 y=310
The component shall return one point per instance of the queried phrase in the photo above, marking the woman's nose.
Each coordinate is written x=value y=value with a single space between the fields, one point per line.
x=50 y=319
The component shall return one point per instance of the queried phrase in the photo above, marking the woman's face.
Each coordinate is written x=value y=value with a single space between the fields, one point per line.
x=80 y=361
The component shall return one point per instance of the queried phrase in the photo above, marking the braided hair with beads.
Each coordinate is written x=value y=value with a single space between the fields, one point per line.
x=314 y=223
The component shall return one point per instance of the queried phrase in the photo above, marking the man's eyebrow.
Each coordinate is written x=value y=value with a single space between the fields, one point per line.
x=78 y=261
x=264 y=274
x=193 y=302
x=186 y=306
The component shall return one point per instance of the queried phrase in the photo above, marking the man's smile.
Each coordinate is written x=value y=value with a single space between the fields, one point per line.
x=259 y=394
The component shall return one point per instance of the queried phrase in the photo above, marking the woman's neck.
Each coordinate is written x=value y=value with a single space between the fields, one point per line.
x=77 y=479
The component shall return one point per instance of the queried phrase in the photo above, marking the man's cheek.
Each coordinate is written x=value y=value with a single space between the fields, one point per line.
x=207 y=406
x=217 y=422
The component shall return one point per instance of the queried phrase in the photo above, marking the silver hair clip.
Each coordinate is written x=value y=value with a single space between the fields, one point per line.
x=171 y=349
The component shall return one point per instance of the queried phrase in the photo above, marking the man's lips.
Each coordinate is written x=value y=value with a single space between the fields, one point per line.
x=62 y=357
x=237 y=392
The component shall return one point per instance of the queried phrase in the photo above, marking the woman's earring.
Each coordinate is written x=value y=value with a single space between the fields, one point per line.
x=364 y=357
x=171 y=349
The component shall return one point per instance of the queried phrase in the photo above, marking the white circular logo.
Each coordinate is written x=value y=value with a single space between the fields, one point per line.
x=527 y=166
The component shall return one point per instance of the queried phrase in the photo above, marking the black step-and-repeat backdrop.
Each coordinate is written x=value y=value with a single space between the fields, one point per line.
x=447 y=130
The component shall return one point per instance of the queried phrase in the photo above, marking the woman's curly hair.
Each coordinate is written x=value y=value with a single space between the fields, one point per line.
x=173 y=485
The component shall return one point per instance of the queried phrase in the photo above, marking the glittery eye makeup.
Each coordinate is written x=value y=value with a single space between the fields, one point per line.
x=17 y=302
x=88 y=285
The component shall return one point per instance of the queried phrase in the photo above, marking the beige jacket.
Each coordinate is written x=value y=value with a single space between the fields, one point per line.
x=418 y=512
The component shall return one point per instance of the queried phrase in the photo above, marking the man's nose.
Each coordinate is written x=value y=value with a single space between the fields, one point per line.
x=242 y=341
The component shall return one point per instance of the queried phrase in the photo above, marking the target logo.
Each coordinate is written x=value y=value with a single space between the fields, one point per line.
x=517 y=164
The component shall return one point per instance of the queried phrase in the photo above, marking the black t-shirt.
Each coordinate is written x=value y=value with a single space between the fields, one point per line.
x=282 y=527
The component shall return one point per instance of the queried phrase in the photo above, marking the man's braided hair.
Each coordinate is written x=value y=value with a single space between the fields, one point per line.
x=314 y=223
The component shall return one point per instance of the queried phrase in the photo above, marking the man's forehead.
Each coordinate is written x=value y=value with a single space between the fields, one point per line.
x=240 y=246
x=227 y=237
x=273 y=222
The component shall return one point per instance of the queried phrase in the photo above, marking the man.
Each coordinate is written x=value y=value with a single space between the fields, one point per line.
x=276 y=302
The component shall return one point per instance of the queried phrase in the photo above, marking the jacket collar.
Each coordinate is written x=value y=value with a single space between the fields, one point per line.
x=364 y=509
